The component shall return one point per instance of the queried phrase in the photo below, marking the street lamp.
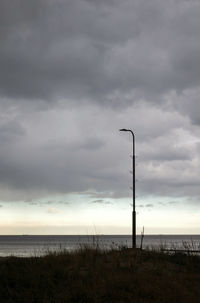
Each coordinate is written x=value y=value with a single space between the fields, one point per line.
x=133 y=212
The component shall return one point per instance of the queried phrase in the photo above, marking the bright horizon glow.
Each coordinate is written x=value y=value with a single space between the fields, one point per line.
x=109 y=216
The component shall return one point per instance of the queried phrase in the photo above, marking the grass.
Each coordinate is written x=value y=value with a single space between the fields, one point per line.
x=94 y=275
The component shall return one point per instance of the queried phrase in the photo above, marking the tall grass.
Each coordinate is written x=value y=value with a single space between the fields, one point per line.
x=91 y=274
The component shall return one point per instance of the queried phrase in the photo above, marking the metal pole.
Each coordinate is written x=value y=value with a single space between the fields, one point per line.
x=133 y=212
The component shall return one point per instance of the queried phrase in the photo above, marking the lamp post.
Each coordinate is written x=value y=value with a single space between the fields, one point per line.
x=133 y=212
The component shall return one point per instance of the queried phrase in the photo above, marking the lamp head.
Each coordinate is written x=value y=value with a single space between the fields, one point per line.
x=123 y=130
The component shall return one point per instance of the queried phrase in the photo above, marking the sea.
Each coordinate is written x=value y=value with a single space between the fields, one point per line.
x=34 y=245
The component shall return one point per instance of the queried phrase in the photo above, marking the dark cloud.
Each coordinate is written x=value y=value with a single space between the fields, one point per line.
x=98 y=201
x=101 y=201
x=60 y=61
x=52 y=157
x=105 y=52
x=168 y=203
x=149 y=205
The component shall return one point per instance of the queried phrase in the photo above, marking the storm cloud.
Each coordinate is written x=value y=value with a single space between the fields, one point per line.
x=73 y=72
x=81 y=49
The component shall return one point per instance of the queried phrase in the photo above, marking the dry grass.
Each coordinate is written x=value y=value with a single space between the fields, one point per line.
x=94 y=275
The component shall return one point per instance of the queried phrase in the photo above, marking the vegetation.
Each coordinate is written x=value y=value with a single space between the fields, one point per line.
x=93 y=275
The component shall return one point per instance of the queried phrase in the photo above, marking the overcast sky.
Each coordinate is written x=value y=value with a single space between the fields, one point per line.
x=72 y=73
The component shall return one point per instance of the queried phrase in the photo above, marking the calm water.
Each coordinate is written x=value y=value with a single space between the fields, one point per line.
x=40 y=245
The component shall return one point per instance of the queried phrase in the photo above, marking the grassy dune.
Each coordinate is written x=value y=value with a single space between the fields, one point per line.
x=92 y=275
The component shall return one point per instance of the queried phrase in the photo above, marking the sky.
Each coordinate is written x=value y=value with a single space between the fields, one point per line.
x=72 y=73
